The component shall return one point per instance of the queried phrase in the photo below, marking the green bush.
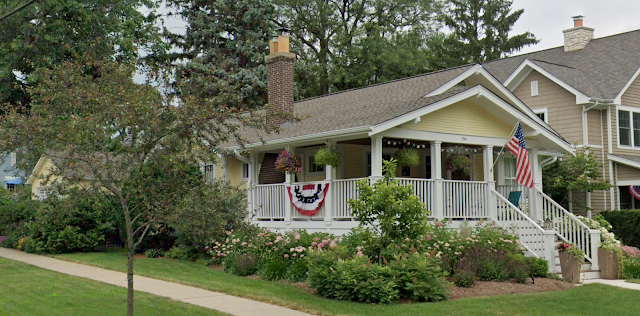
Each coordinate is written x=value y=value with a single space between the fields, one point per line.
x=154 y=253
x=625 y=225
x=241 y=264
x=177 y=252
x=492 y=270
x=630 y=268
x=464 y=278
x=539 y=267
x=273 y=268
x=297 y=272
x=419 y=278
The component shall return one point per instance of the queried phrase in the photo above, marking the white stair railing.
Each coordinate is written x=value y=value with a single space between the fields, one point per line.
x=570 y=229
x=531 y=235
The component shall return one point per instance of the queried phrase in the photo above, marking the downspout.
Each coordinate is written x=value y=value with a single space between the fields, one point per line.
x=548 y=161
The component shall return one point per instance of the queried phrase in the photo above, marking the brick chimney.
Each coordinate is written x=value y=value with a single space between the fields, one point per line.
x=280 y=78
x=578 y=37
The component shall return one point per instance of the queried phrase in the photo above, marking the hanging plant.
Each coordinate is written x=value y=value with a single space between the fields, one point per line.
x=328 y=156
x=459 y=163
x=288 y=162
x=407 y=157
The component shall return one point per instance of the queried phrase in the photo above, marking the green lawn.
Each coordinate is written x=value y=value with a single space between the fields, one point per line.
x=634 y=281
x=27 y=290
x=593 y=299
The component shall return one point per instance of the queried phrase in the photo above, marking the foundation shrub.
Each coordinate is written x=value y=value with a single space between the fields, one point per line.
x=630 y=262
x=241 y=264
x=464 y=278
x=154 y=253
x=539 y=267
x=625 y=224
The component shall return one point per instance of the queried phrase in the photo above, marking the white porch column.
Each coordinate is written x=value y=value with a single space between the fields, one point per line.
x=254 y=169
x=225 y=167
x=330 y=175
x=487 y=159
x=535 y=201
x=437 y=196
x=376 y=157
x=588 y=197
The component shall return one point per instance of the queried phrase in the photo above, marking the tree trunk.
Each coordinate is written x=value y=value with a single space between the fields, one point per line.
x=130 y=250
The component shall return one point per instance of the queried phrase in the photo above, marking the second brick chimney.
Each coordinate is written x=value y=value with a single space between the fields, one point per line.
x=280 y=79
x=578 y=37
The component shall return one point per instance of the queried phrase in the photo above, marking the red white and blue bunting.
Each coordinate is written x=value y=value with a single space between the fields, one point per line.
x=635 y=191
x=308 y=198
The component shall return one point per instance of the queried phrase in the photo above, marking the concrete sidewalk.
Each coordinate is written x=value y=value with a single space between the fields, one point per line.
x=187 y=294
x=618 y=283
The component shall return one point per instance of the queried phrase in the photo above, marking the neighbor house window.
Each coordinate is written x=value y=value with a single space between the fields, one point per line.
x=245 y=171
x=629 y=128
x=210 y=173
x=42 y=193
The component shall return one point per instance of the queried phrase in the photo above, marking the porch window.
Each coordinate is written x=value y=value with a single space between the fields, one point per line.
x=509 y=164
x=210 y=173
x=384 y=157
x=313 y=168
x=245 y=171
x=427 y=167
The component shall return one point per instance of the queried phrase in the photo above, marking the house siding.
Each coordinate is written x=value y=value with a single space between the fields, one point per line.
x=353 y=161
x=626 y=173
x=234 y=171
x=564 y=115
x=462 y=118
x=594 y=132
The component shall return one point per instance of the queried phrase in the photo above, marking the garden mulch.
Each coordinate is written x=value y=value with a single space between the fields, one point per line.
x=487 y=288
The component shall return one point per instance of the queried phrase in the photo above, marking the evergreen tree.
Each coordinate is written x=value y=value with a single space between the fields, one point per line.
x=49 y=32
x=480 y=32
x=349 y=44
x=223 y=51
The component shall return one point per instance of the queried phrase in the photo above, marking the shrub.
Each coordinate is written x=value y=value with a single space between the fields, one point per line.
x=464 y=278
x=492 y=270
x=607 y=239
x=625 y=225
x=273 y=268
x=419 y=277
x=539 y=267
x=630 y=262
x=297 y=272
x=154 y=253
x=241 y=264
x=177 y=253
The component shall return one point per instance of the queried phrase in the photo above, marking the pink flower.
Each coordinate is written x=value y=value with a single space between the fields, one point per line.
x=439 y=224
x=296 y=236
x=359 y=254
x=359 y=248
x=286 y=255
x=243 y=244
x=316 y=239
x=228 y=233
x=320 y=245
x=333 y=244
x=428 y=237
x=314 y=243
x=407 y=239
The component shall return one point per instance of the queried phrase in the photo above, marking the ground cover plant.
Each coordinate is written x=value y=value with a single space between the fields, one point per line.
x=27 y=290
x=588 y=299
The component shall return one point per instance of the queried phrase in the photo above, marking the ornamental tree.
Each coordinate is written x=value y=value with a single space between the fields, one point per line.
x=390 y=208
x=579 y=173
x=129 y=140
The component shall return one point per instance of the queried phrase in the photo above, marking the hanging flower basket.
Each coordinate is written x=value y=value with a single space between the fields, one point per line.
x=288 y=162
x=407 y=157
x=459 y=163
x=328 y=156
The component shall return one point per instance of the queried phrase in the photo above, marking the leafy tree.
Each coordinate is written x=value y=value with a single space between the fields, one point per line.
x=223 y=51
x=392 y=209
x=49 y=32
x=480 y=32
x=348 y=44
x=579 y=173
x=108 y=133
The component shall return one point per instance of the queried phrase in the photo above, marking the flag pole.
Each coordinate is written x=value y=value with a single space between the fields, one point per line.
x=513 y=130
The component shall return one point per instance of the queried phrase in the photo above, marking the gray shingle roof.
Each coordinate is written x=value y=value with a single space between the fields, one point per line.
x=365 y=106
x=600 y=70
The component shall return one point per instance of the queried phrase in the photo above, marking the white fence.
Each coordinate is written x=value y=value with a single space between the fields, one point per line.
x=465 y=199
x=269 y=201
x=344 y=190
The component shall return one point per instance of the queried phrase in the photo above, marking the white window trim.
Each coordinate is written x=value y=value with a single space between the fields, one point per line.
x=43 y=192
x=242 y=171
x=544 y=111
x=631 y=110
x=534 y=89
x=213 y=171
x=310 y=152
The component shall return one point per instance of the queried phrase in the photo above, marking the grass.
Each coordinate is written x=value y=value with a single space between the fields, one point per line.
x=634 y=281
x=27 y=290
x=592 y=299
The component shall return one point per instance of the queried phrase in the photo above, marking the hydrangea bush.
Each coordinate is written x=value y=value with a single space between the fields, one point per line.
x=607 y=239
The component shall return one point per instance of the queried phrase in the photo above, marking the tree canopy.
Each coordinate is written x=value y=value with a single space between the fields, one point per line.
x=479 y=32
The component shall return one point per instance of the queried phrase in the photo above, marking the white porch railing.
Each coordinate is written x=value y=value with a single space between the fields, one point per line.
x=269 y=201
x=422 y=188
x=465 y=199
x=570 y=229
x=344 y=190
x=524 y=197
x=535 y=240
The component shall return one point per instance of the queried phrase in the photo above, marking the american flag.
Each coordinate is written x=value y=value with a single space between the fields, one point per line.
x=523 y=169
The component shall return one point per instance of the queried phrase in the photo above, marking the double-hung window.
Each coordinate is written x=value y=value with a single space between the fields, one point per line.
x=629 y=128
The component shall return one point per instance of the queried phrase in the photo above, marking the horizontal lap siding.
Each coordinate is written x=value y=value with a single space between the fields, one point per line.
x=593 y=127
x=353 y=161
x=626 y=173
x=564 y=115
x=463 y=118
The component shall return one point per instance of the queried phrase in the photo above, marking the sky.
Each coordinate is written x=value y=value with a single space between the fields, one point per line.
x=546 y=19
